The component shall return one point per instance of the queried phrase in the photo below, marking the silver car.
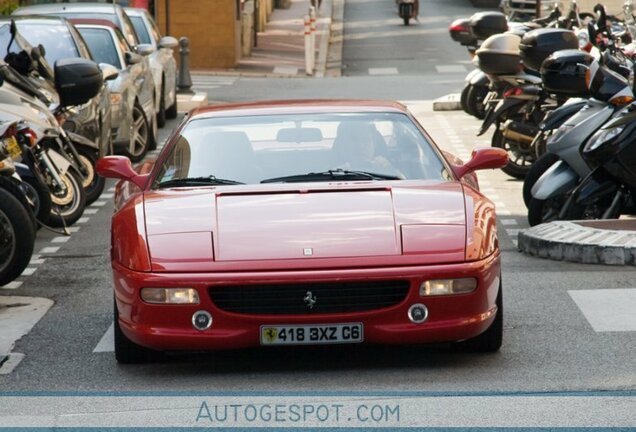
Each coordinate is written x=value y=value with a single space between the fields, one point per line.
x=132 y=93
x=162 y=62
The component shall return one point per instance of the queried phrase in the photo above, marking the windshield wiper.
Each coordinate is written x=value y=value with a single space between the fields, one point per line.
x=198 y=181
x=337 y=174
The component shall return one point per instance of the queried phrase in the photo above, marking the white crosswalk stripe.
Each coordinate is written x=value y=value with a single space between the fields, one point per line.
x=211 y=82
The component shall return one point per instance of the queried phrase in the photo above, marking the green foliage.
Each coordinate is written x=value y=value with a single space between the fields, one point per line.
x=8 y=6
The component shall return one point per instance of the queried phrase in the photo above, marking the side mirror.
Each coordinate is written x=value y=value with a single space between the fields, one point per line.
x=119 y=167
x=168 y=42
x=482 y=158
x=144 y=49
x=77 y=80
x=133 y=58
x=109 y=72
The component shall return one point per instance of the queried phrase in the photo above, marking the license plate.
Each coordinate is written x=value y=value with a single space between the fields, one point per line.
x=312 y=334
x=13 y=147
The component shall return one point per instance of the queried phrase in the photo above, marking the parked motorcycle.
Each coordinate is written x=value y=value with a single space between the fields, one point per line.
x=610 y=93
x=17 y=225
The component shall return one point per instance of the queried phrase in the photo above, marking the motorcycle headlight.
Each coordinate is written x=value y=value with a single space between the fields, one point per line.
x=603 y=136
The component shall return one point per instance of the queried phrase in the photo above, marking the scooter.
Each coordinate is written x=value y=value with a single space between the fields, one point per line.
x=610 y=93
x=407 y=10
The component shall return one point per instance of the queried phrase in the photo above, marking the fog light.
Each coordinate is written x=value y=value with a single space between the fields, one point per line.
x=418 y=313
x=448 y=286
x=202 y=320
x=170 y=295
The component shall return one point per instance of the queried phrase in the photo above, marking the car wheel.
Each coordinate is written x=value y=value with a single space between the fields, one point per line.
x=96 y=185
x=171 y=112
x=140 y=136
x=70 y=203
x=161 y=114
x=489 y=341
x=537 y=169
x=126 y=351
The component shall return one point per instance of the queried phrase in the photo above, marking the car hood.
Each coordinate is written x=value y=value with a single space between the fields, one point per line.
x=190 y=229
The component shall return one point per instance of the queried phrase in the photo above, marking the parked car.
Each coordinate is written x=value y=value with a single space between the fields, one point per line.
x=132 y=92
x=162 y=62
x=308 y=222
x=61 y=41
x=110 y=12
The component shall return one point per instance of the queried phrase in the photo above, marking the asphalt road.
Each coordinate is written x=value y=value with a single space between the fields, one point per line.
x=549 y=342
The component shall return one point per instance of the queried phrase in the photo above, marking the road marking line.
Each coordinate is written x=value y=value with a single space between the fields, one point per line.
x=515 y=241
x=91 y=211
x=73 y=229
x=60 y=239
x=82 y=220
x=12 y=285
x=509 y=221
x=286 y=70
x=49 y=250
x=36 y=261
x=111 y=189
x=18 y=315
x=607 y=310
x=98 y=204
x=450 y=69
x=383 y=71
x=108 y=195
x=501 y=211
x=11 y=363
x=29 y=271
x=107 y=342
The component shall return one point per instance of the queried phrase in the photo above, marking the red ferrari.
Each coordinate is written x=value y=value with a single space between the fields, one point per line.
x=303 y=222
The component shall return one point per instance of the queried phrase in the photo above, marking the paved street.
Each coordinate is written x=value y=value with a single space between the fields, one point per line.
x=550 y=341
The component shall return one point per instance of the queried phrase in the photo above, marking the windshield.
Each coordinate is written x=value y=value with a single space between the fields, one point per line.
x=56 y=39
x=306 y=147
x=101 y=45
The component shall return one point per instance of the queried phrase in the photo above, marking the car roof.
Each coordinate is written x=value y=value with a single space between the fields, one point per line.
x=303 y=106
x=94 y=22
x=135 y=11
x=61 y=7
x=34 y=18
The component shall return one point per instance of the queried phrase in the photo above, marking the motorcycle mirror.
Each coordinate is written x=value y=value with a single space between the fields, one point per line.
x=13 y=30
x=42 y=50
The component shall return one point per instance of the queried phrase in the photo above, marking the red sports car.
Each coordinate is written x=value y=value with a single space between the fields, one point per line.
x=303 y=222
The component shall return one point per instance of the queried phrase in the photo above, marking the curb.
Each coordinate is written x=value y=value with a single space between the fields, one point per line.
x=449 y=102
x=187 y=102
x=569 y=241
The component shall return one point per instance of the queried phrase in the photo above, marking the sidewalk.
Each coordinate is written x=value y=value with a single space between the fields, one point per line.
x=280 y=49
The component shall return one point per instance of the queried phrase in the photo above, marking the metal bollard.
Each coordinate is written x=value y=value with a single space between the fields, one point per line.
x=309 y=69
x=185 y=82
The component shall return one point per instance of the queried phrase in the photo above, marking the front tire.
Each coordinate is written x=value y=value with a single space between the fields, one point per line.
x=161 y=114
x=17 y=238
x=126 y=351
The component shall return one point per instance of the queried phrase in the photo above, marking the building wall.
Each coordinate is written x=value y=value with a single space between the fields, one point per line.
x=213 y=27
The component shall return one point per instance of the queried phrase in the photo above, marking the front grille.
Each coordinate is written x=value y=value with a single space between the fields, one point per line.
x=330 y=297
